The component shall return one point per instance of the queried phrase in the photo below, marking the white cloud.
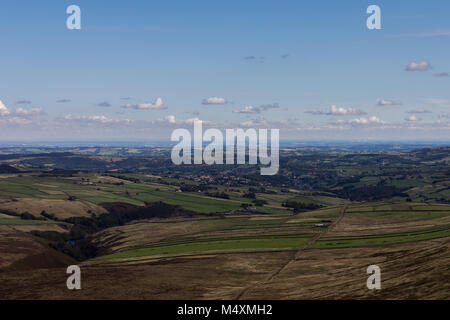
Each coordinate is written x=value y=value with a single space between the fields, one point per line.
x=19 y=121
x=214 y=100
x=248 y=109
x=364 y=121
x=15 y=121
x=96 y=118
x=4 y=111
x=19 y=116
x=254 y=110
x=418 y=66
x=137 y=124
x=28 y=112
x=257 y=122
x=248 y=124
x=157 y=105
x=261 y=122
x=413 y=118
x=384 y=102
x=338 y=111
x=170 y=119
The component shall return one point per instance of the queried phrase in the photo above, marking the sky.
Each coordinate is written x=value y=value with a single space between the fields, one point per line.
x=140 y=69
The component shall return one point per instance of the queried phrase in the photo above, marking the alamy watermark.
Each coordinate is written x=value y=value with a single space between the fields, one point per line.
x=374 y=20
x=73 y=22
x=74 y=280
x=374 y=281
x=235 y=144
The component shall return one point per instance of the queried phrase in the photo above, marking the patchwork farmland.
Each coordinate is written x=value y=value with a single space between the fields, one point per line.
x=182 y=236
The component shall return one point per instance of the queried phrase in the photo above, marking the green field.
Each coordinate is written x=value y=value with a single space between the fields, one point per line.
x=383 y=239
x=265 y=228
x=391 y=213
x=232 y=234
x=29 y=186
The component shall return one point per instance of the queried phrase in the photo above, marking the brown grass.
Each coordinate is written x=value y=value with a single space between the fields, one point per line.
x=60 y=208
x=39 y=227
x=141 y=233
x=15 y=245
x=220 y=276
x=416 y=270
x=360 y=225
x=408 y=271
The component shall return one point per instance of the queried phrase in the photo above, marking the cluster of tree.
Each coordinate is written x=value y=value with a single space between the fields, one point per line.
x=246 y=206
x=59 y=173
x=27 y=216
x=195 y=188
x=24 y=216
x=77 y=243
x=49 y=216
x=259 y=202
x=4 y=168
x=300 y=206
x=261 y=190
x=371 y=193
x=119 y=216
x=122 y=177
x=250 y=195
x=221 y=195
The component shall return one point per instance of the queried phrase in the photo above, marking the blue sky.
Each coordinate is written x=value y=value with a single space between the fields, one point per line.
x=296 y=58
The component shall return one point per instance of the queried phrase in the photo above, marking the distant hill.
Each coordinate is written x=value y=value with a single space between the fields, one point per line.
x=4 y=168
